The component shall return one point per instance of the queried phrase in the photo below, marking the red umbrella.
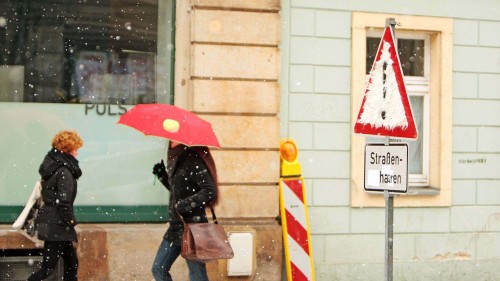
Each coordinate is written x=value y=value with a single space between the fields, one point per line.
x=170 y=122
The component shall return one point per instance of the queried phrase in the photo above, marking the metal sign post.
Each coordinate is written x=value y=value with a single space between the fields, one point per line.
x=386 y=111
x=389 y=223
x=389 y=202
x=386 y=169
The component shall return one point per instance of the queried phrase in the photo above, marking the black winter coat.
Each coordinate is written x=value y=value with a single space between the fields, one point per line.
x=192 y=187
x=56 y=219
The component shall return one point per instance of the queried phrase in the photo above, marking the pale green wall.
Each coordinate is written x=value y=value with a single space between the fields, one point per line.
x=461 y=242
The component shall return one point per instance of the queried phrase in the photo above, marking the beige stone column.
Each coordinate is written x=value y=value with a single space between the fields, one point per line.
x=227 y=70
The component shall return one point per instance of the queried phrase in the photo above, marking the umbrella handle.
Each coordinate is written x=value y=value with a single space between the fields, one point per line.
x=164 y=149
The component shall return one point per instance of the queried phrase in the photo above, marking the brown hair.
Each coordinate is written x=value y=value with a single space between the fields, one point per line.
x=205 y=154
x=67 y=141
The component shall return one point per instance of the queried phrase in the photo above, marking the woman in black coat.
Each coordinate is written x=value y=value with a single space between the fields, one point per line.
x=56 y=220
x=191 y=178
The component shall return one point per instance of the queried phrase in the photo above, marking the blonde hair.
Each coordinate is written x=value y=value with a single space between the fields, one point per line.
x=67 y=141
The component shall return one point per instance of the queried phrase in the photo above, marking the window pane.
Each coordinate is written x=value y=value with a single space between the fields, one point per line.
x=79 y=51
x=415 y=147
x=411 y=55
x=371 y=51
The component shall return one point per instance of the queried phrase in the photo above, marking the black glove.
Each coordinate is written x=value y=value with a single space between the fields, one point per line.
x=159 y=169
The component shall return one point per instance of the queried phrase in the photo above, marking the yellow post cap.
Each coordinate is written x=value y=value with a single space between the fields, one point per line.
x=289 y=158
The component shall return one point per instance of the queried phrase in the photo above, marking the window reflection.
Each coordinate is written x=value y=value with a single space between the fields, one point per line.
x=94 y=51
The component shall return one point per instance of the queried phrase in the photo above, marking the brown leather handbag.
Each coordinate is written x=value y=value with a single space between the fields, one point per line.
x=204 y=242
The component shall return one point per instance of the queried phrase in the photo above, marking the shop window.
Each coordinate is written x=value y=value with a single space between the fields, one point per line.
x=425 y=55
x=76 y=64
x=103 y=52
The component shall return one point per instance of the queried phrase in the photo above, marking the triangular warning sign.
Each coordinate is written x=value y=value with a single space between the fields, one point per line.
x=386 y=109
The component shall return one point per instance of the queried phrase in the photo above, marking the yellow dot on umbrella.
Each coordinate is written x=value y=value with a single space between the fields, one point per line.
x=170 y=125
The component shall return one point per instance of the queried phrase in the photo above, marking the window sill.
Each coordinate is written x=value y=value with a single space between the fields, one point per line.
x=422 y=190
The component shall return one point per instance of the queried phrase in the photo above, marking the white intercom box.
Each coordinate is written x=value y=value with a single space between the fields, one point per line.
x=243 y=248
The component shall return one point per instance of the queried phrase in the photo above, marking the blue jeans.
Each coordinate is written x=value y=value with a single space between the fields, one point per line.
x=165 y=257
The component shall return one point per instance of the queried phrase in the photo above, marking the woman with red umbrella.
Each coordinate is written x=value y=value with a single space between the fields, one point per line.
x=191 y=178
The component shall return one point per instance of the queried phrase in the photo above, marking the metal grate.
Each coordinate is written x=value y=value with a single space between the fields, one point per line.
x=20 y=268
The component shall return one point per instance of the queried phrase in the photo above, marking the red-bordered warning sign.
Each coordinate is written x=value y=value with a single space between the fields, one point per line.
x=386 y=109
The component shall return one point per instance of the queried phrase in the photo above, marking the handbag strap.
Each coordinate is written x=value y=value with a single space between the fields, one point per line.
x=214 y=218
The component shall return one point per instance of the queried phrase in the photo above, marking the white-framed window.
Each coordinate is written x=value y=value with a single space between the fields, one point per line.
x=414 y=53
x=425 y=50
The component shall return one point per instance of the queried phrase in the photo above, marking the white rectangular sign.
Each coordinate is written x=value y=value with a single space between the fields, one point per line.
x=386 y=167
